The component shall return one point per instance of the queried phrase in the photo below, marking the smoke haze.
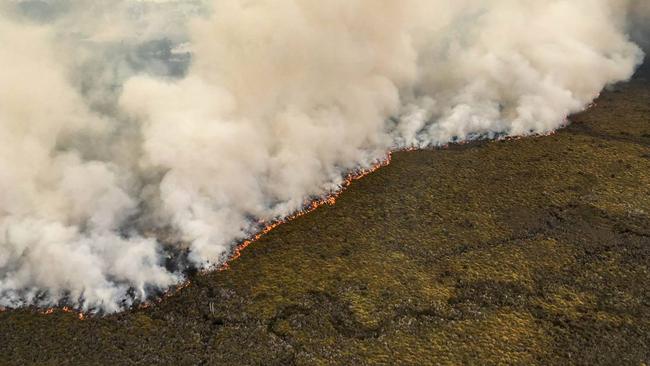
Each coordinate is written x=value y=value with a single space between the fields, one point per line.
x=141 y=137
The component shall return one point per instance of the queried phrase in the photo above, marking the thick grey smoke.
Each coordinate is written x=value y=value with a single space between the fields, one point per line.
x=134 y=131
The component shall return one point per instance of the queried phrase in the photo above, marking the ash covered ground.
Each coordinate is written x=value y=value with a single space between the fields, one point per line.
x=525 y=251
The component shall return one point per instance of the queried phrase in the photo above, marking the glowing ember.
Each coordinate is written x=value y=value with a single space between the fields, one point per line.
x=331 y=199
x=65 y=309
x=308 y=207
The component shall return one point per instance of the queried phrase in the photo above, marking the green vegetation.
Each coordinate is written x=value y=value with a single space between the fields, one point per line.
x=530 y=251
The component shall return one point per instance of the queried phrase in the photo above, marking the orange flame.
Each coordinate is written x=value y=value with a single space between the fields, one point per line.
x=65 y=309
x=308 y=207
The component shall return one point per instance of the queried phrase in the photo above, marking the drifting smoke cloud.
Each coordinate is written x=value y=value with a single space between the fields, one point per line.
x=110 y=133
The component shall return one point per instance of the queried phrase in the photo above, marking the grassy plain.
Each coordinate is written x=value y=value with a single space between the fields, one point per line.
x=529 y=251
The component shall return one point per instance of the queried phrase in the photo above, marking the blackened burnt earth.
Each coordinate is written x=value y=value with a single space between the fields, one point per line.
x=518 y=252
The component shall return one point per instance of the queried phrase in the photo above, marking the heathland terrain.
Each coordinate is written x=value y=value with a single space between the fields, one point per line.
x=527 y=251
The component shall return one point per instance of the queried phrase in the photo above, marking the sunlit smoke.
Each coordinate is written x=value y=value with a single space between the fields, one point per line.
x=143 y=138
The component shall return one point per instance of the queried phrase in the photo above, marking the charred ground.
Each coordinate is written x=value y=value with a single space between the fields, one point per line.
x=526 y=251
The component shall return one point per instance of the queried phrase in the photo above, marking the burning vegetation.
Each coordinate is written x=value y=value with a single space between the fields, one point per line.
x=519 y=251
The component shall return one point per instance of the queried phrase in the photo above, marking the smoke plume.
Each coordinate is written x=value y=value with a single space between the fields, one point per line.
x=140 y=138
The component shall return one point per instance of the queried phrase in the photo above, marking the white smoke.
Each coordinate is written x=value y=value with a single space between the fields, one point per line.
x=60 y=214
x=108 y=135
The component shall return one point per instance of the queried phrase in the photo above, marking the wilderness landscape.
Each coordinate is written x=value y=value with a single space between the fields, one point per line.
x=519 y=251
x=341 y=182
